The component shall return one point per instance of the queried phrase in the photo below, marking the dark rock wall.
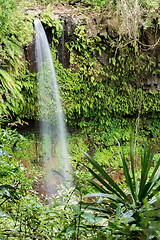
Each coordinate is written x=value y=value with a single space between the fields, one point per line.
x=98 y=24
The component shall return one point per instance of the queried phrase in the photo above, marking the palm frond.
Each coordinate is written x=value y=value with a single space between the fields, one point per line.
x=114 y=186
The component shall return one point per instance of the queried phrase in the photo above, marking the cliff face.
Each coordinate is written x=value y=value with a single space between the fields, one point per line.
x=102 y=23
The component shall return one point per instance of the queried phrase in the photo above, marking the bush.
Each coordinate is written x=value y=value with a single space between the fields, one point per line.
x=132 y=211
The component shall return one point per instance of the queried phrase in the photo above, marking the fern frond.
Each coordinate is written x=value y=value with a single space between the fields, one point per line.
x=9 y=83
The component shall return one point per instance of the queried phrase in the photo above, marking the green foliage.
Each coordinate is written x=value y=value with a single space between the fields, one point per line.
x=48 y=19
x=151 y=8
x=27 y=217
x=12 y=175
x=16 y=30
x=77 y=142
x=93 y=91
x=129 y=204
x=100 y=98
x=89 y=86
x=22 y=215
x=27 y=109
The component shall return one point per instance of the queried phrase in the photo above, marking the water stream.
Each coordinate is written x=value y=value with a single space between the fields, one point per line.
x=52 y=126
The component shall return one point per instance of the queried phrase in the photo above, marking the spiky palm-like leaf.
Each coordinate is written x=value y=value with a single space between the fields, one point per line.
x=138 y=190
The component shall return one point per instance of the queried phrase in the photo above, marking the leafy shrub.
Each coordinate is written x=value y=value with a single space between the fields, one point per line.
x=132 y=209
x=16 y=31
x=12 y=174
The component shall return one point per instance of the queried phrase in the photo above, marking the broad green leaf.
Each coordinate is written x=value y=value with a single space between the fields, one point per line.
x=70 y=230
x=4 y=192
x=90 y=217
x=3 y=214
x=4 y=153
x=76 y=209
x=127 y=217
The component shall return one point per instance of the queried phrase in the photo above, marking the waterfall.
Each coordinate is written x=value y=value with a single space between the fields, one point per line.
x=52 y=125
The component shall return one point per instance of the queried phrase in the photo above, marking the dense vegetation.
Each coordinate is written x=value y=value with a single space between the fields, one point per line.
x=126 y=211
x=88 y=90
x=101 y=101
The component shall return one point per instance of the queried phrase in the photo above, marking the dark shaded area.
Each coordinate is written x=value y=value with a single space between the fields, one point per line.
x=63 y=53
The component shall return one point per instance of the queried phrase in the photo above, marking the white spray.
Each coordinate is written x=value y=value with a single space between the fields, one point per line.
x=53 y=131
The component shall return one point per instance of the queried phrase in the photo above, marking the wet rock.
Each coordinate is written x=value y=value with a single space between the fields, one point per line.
x=30 y=56
x=104 y=22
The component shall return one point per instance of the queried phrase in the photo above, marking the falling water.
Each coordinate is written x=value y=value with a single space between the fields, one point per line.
x=52 y=126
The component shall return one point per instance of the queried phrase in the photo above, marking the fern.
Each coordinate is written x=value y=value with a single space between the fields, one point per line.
x=16 y=30
x=9 y=83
